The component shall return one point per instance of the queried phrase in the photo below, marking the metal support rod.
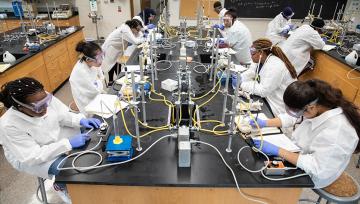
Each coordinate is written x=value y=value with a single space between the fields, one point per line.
x=191 y=103
x=169 y=117
x=198 y=117
x=212 y=56
x=225 y=92
x=142 y=83
x=216 y=63
x=232 y=129
x=312 y=10
x=333 y=18
x=155 y=65
x=320 y=11
x=139 y=148
x=152 y=67
x=178 y=104
x=42 y=190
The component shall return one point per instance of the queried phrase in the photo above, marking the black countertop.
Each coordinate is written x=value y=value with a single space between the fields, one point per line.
x=158 y=167
x=16 y=47
x=11 y=16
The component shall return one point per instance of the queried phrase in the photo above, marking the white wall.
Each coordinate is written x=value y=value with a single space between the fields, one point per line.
x=137 y=7
x=111 y=17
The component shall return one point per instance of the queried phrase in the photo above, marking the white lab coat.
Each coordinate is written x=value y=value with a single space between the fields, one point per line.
x=275 y=27
x=274 y=78
x=86 y=83
x=114 y=45
x=31 y=144
x=327 y=143
x=222 y=13
x=298 y=46
x=238 y=37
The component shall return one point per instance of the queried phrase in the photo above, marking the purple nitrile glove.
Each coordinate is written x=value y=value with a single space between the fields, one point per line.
x=234 y=80
x=90 y=122
x=260 y=122
x=267 y=148
x=150 y=26
x=78 y=140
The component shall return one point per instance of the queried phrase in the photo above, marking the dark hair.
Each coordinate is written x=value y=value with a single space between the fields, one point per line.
x=147 y=12
x=300 y=93
x=134 y=23
x=266 y=46
x=317 y=23
x=217 y=4
x=88 y=49
x=19 y=89
x=232 y=13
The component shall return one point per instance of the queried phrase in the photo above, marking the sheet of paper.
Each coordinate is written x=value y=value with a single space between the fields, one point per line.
x=328 y=47
x=238 y=68
x=102 y=103
x=280 y=140
x=4 y=67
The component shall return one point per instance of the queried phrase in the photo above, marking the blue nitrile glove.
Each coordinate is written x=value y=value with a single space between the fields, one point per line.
x=219 y=26
x=150 y=26
x=234 y=80
x=324 y=39
x=292 y=26
x=90 y=122
x=260 y=122
x=267 y=148
x=78 y=140
x=285 y=30
x=221 y=41
x=223 y=77
x=147 y=87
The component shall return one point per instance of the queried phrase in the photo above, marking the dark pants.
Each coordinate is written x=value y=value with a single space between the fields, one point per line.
x=114 y=70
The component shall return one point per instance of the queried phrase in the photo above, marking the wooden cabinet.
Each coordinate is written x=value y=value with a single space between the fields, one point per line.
x=51 y=67
x=9 y=24
x=336 y=73
x=357 y=100
x=3 y=26
x=71 y=43
x=31 y=68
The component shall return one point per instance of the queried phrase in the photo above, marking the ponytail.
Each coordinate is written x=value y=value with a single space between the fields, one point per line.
x=300 y=93
x=266 y=46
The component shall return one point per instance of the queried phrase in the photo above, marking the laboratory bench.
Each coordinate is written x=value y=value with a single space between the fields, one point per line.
x=155 y=176
x=331 y=67
x=51 y=65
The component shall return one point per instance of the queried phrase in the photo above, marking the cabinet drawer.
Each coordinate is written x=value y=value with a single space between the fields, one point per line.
x=54 y=52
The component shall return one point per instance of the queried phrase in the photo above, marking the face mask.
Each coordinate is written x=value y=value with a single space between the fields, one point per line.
x=38 y=106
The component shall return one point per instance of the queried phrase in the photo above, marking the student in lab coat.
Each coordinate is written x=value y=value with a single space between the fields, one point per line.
x=279 y=27
x=269 y=75
x=328 y=134
x=218 y=8
x=145 y=17
x=300 y=43
x=238 y=37
x=221 y=13
x=86 y=79
x=38 y=129
x=117 y=42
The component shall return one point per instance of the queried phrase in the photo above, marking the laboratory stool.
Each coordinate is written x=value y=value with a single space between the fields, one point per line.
x=331 y=198
x=42 y=190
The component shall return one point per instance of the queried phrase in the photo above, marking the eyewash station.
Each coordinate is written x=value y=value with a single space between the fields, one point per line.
x=173 y=132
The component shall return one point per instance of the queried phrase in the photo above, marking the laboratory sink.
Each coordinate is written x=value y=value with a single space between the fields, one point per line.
x=16 y=55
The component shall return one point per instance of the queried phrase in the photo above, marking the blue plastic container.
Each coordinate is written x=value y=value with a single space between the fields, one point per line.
x=17 y=7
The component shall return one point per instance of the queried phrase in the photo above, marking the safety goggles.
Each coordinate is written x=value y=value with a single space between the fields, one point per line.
x=253 y=50
x=98 y=58
x=39 y=105
x=298 y=114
